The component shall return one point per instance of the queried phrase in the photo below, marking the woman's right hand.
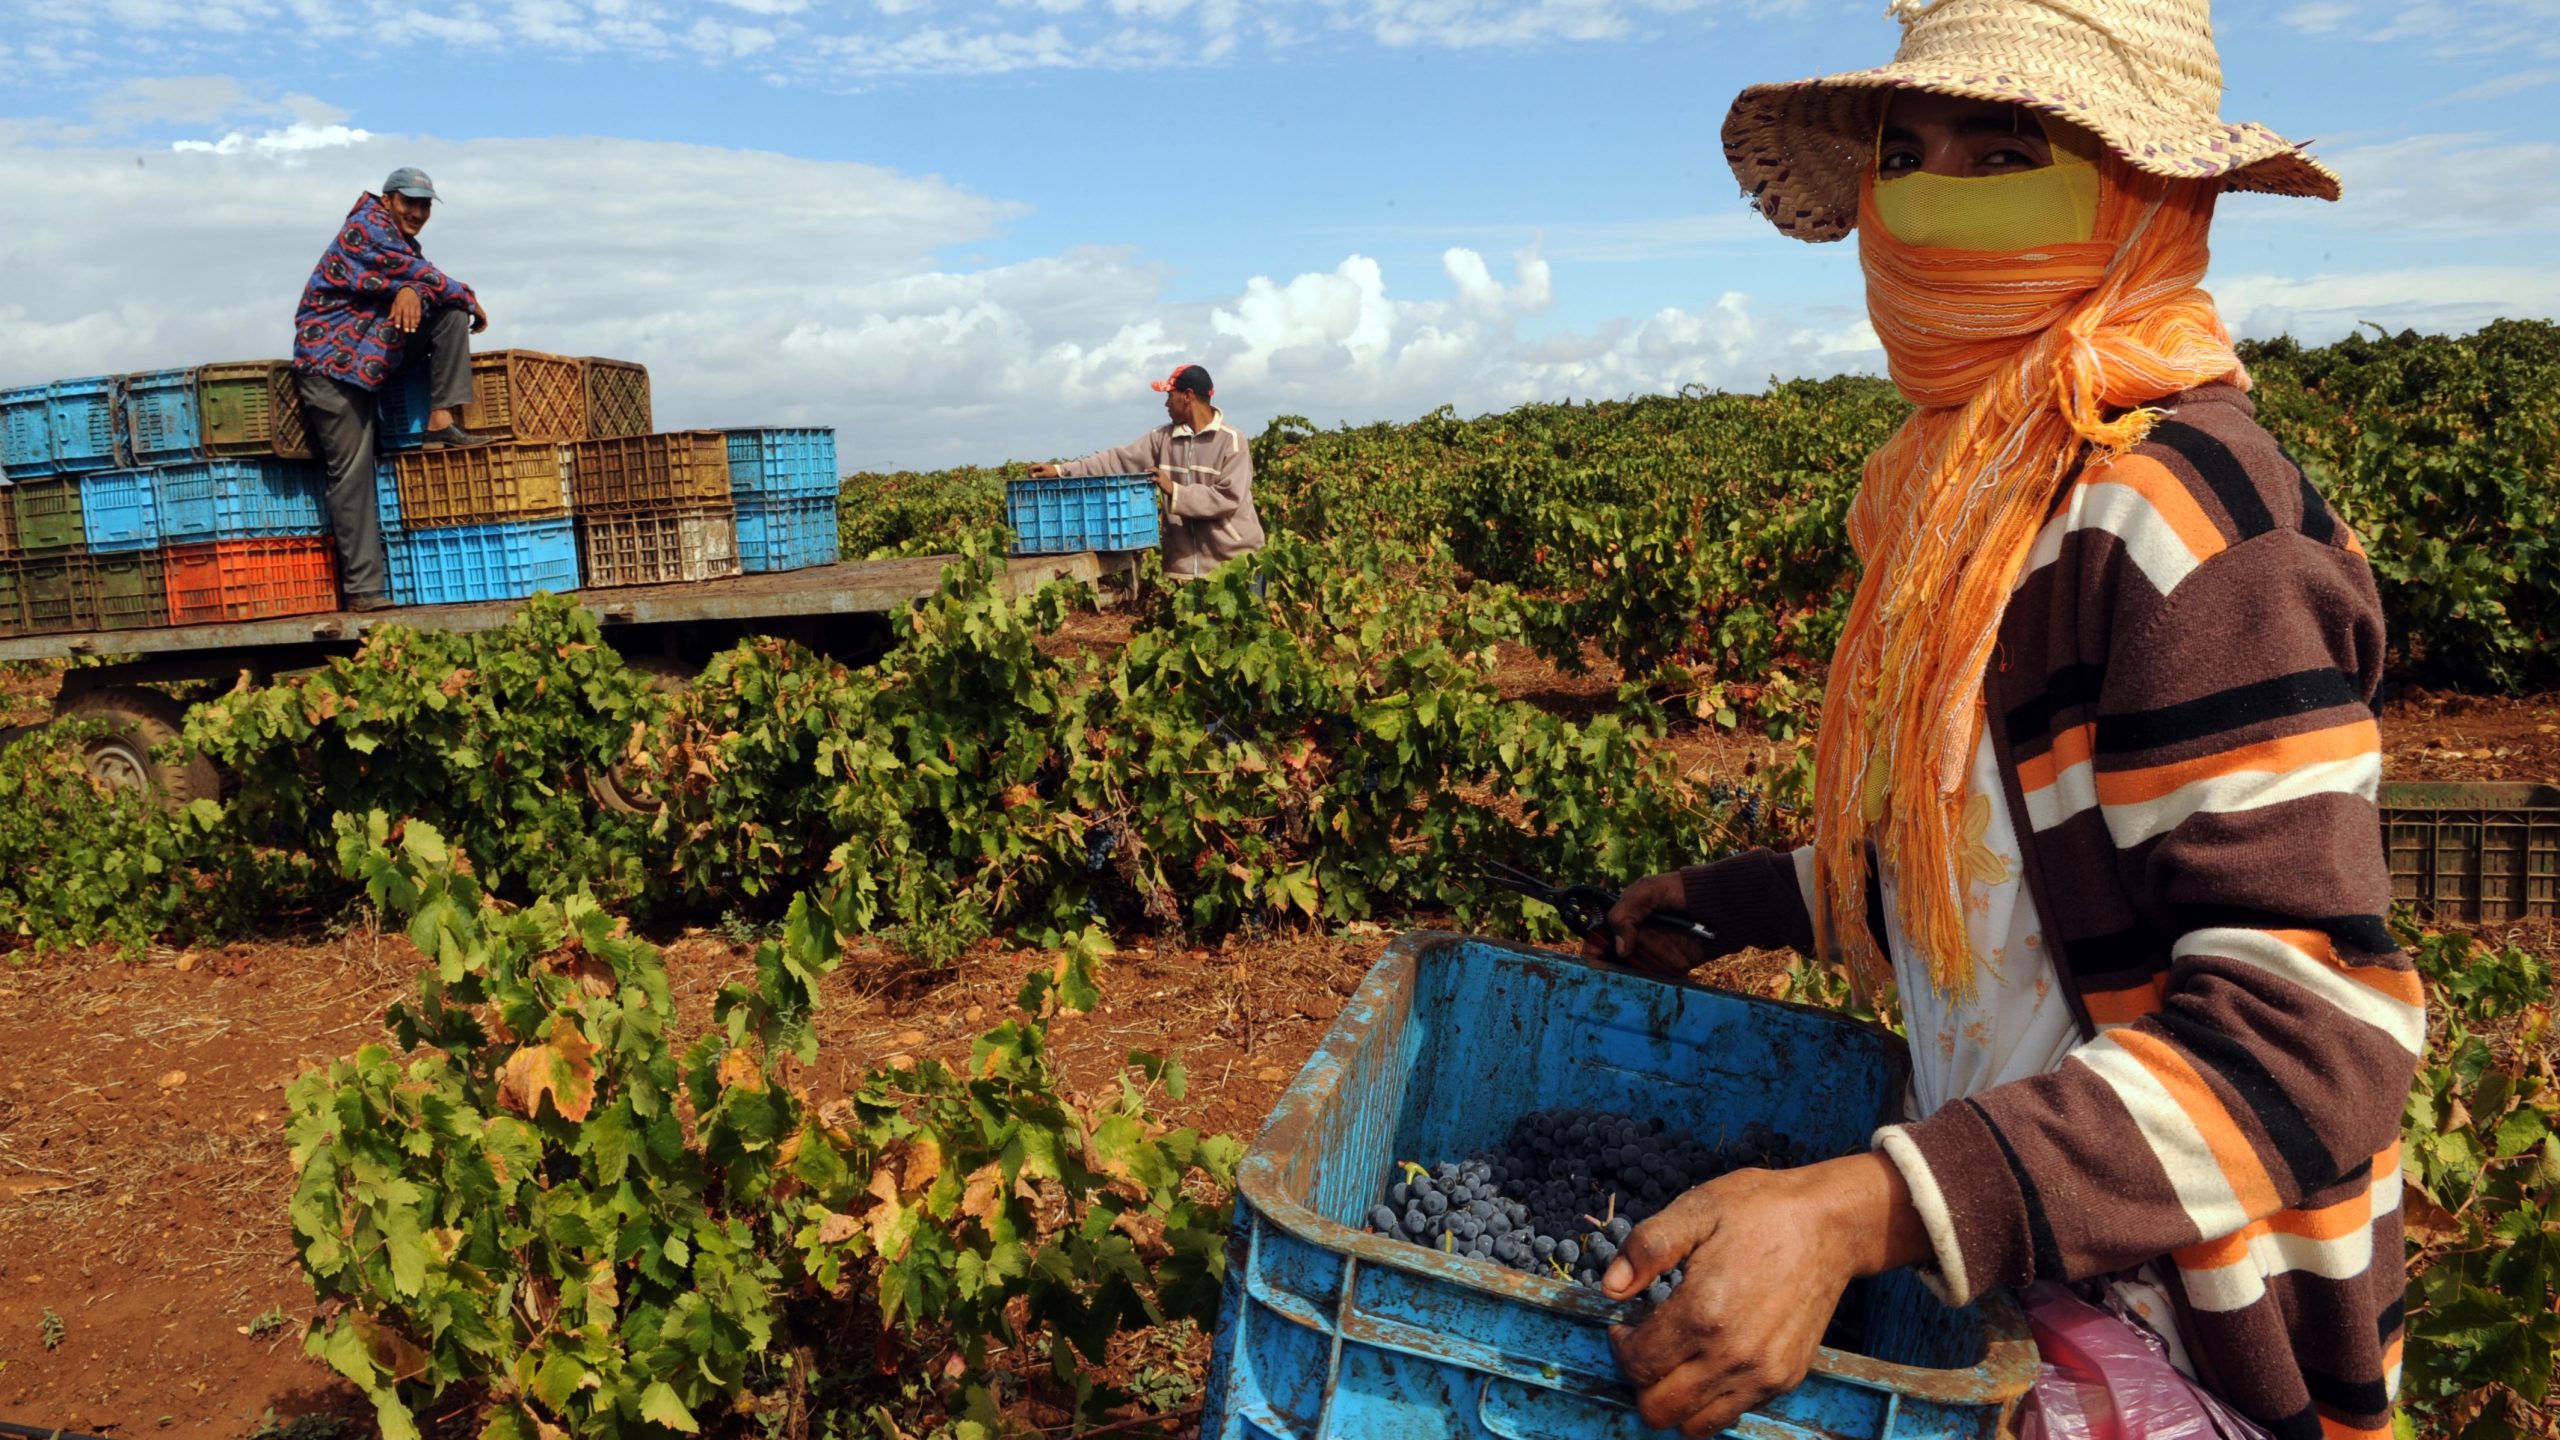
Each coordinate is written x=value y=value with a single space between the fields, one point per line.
x=1044 y=472
x=1652 y=948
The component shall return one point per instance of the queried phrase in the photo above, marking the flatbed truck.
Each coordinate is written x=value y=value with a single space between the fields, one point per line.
x=841 y=610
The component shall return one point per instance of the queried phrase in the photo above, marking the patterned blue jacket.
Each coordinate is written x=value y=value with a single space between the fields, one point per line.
x=341 y=329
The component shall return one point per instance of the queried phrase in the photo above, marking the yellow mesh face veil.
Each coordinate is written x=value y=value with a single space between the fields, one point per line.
x=2056 y=204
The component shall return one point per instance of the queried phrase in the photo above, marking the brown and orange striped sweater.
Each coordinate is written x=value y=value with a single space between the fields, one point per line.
x=2182 y=707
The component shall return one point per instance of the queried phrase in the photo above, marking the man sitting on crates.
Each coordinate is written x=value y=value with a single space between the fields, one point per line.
x=1204 y=468
x=355 y=332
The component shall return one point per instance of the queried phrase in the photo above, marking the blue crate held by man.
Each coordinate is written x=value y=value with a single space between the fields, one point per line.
x=459 y=564
x=120 y=511
x=782 y=464
x=161 y=422
x=1330 y=1331
x=26 y=435
x=241 y=500
x=1082 y=512
x=787 y=534
x=82 y=416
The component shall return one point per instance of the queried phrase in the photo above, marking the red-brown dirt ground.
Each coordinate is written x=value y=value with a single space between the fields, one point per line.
x=144 y=1176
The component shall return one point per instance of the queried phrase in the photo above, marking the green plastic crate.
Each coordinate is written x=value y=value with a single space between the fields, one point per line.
x=60 y=594
x=49 y=519
x=133 y=591
x=13 y=618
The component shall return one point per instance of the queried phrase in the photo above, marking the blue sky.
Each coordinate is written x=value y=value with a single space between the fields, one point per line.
x=969 y=233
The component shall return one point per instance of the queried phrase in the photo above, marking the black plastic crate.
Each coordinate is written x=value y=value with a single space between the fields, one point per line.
x=2473 y=851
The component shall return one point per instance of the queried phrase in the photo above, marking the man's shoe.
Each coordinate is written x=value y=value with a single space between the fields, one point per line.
x=453 y=437
x=368 y=602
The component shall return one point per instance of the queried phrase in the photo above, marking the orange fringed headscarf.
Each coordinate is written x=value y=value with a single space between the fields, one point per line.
x=2019 y=361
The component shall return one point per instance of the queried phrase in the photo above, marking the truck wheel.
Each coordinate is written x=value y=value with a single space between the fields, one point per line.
x=617 y=789
x=138 y=722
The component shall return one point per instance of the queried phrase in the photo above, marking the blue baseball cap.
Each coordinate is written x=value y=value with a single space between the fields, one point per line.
x=408 y=180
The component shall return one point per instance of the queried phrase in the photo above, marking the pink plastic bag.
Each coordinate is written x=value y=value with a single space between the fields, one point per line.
x=2106 y=1378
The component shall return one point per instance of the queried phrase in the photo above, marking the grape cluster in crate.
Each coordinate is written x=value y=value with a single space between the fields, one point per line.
x=164 y=497
x=1560 y=1196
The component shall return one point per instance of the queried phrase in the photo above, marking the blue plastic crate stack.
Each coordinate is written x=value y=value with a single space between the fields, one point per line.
x=784 y=484
x=116 y=488
x=481 y=523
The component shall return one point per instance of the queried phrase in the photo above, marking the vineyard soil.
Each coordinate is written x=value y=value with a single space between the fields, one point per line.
x=143 y=1177
x=143 y=1183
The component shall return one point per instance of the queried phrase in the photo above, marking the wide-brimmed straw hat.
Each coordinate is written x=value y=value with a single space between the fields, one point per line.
x=2141 y=74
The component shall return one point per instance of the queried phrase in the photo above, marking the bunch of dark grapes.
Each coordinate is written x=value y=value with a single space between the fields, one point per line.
x=1751 y=807
x=1560 y=1196
x=1102 y=841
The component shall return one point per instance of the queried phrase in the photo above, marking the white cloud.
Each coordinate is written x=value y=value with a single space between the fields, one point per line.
x=2320 y=17
x=2501 y=87
x=292 y=143
x=836 y=306
x=823 y=42
x=2471 y=183
x=2445 y=27
x=2442 y=298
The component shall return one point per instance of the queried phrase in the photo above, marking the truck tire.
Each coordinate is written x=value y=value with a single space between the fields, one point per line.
x=616 y=789
x=139 y=722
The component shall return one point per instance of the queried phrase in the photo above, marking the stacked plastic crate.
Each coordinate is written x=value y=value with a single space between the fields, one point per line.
x=654 y=509
x=528 y=402
x=785 y=487
x=131 y=510
x=50 y=435
x=490 y=522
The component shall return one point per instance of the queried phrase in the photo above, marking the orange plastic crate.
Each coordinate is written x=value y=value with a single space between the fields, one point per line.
x=527 y=395
x=251 y=579
x=617 y=398
x=678 y=471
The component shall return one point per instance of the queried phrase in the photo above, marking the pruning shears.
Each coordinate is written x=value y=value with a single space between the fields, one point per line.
x=1586 y=908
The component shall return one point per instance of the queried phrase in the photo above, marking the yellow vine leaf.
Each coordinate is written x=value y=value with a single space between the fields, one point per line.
x=561 y=1067
x=739 y=1071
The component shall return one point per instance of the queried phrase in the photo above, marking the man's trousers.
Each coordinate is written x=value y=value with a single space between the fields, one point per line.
x=343 y=419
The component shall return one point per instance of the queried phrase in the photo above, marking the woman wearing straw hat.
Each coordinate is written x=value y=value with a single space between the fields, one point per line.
x=2096 y=765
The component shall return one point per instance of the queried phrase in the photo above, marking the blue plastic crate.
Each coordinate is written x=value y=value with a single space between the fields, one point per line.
x=402 y=411
x=119 y=510
x=160 y=417
x=26 y=436
x=775 y=464
x=241 y=500
x=791 y=534
x=81 y=416
x=509 y=560
x=1329 y=1332
x=1082 y=512
x=386 y=493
